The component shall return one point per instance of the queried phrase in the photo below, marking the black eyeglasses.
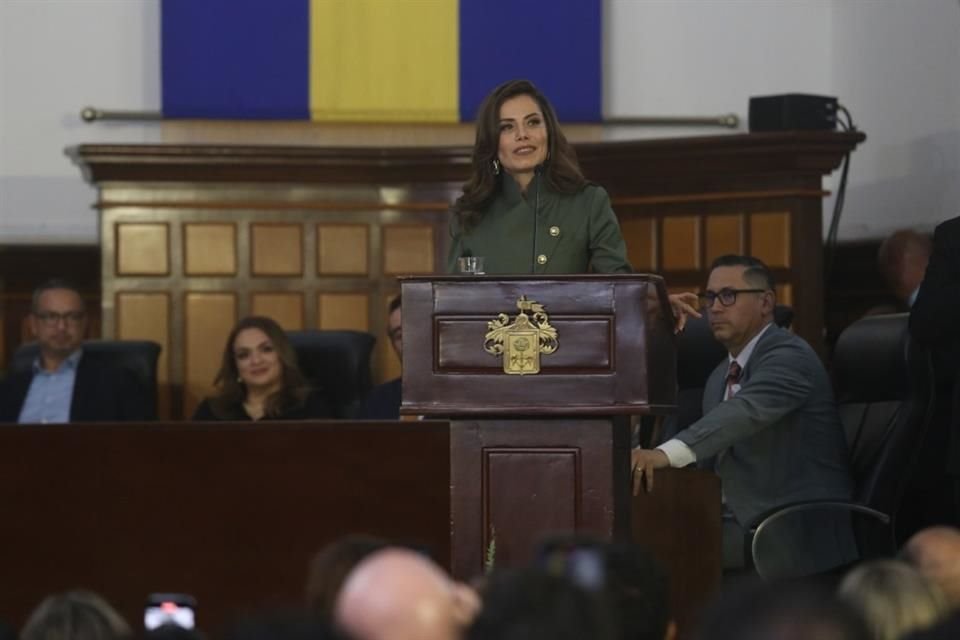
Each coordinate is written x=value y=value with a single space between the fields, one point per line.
x=52 y=318
x=727 y=296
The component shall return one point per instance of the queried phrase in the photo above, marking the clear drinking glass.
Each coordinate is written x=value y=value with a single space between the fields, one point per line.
x=470 y=265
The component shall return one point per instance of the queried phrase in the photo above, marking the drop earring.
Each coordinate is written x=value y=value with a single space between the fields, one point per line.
x=496 y=167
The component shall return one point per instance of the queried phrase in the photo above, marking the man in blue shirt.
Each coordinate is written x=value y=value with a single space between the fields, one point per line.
x=63 y=385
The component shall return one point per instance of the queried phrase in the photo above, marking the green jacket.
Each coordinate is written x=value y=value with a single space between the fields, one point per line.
x=574 y=233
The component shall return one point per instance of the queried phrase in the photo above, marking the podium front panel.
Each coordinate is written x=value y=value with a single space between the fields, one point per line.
x=615 y=350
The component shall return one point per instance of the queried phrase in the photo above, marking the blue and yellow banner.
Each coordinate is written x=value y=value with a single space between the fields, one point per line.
x=376 y=60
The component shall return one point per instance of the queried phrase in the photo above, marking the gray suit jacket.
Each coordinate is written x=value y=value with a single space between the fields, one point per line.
x=779 y=440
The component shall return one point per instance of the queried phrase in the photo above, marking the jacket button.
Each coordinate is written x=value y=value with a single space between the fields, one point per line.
x=554 y=231
x=541 y=259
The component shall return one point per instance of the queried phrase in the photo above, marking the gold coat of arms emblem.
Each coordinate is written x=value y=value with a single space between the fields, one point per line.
x=521 y=342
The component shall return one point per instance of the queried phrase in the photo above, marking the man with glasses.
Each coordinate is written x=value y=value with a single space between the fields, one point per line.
x=64 y=385
x=383 y=401
x=770 y=428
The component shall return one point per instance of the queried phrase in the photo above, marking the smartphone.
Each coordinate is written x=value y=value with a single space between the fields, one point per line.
x=178 y=609
x=581 y=562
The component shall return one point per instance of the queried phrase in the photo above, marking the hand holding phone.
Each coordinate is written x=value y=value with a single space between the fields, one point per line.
x=177 y=609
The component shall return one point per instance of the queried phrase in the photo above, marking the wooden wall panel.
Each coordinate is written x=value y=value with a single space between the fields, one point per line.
x=343 y=249
x=680 y=247
x=408 y=249
x=208 y=319
x=210 y=249
x=640 y=234
x=770 y=238
x=343 y=311
x=276 y=249
x=724 y=236
x=286 y=308
x=785 y=294
x=665 y=193
x=143 y=249
x=146 y=316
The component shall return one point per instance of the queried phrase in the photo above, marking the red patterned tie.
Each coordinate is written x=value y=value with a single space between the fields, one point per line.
x=733 y=377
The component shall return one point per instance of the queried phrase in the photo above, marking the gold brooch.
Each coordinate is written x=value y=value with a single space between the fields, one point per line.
x=521 y=342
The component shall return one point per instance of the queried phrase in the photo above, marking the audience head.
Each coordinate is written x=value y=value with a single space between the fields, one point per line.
x=172 y=631
x=75 y=615
x=529 y=604
x=258 y=358
x=902 y=260
x=58 y=320
x=395 y=326
x=331 y=566
x=638 y=589
x=283 y=625
x=518 y=134
x=7 y=632
x=948 y=629
x=785 y=611
x=893 y=598
x=398 y=594
x=739 y=299
x=935 y=552
x=630 y=579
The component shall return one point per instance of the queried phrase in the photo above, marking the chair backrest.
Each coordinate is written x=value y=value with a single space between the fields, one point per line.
x=884 y=385
x=338 y=363
x=698 y=354
x=138 y=357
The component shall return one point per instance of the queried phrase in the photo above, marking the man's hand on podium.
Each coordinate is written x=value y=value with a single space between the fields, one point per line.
x=684 y=304
x=643 y=462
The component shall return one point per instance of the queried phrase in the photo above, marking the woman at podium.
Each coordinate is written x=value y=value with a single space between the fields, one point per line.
x=259 y=378
x=526 y=207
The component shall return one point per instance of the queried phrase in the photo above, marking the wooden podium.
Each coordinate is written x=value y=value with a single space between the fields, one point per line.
x=534 y=453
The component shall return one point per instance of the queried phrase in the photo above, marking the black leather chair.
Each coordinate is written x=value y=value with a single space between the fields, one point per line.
x=337 y=363
x=138 y=357
x=698 y=354
x=884 y=386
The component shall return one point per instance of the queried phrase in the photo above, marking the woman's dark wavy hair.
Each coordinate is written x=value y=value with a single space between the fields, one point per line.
x=560 y=170
x=231 y=392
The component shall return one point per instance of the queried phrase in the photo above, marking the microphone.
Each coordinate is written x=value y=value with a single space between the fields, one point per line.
x=536 y=214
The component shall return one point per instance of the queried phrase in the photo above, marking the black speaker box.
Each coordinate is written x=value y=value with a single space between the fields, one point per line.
x=793 y=111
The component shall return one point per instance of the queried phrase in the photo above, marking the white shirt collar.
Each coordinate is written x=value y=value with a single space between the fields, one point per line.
x=748 y=350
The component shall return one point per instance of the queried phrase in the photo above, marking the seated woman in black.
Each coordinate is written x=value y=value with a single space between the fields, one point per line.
x=259 y=378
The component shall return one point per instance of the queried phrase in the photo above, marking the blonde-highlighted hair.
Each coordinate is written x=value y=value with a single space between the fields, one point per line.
x=893 y=598
x=75 y=615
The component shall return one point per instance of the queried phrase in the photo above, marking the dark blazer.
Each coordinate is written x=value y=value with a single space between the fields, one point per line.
x=315 y=407
x=574 y=233
x=780 y=440
x=101 y=393
x=935 y=323
x=383 y=402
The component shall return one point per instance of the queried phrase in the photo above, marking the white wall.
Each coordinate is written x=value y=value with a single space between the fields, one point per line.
x=703 y=57
x=894 y=63
x=897 y=68
x=57 y=56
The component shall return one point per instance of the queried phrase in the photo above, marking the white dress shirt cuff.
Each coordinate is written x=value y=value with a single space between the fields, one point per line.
x=678 y=453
